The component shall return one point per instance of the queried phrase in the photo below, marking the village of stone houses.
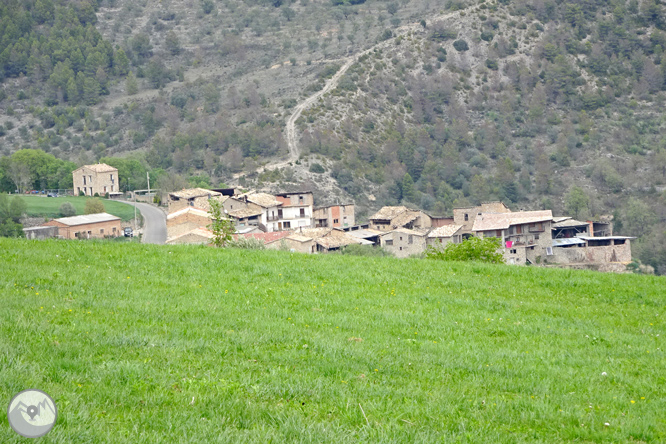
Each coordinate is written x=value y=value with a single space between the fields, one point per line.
x=292 y=221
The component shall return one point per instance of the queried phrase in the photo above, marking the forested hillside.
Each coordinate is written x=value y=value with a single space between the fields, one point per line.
x=539 y=103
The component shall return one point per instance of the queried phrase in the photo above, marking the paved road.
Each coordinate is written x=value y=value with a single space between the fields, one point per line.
x=154 y=224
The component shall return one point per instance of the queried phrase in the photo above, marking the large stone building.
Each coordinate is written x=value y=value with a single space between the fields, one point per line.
x=525 y=235
x=90 y=226
x=96 y=179
x=334 y=216
x=193 y=197
x=404 y=242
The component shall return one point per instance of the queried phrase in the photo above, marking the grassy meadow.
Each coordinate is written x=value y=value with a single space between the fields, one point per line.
x=142 y=344
x=39 y=206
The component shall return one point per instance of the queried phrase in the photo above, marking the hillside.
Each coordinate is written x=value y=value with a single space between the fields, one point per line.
x=434 y=105
x=139 y=343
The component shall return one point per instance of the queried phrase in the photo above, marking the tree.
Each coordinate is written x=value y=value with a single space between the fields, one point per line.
x=120 y=63
x=131 y=86
x=576 y=200
x=67 y=210
x=408 y=189
x=472 y=249
x=172 y=43
x=221 y=226
x=91 y=90
x=17 y=209
x=460 y=45
x=10 y=214
x=20 y=174
x=638 y=218
x=288 y=13
x=211 y=98
x=94 y=206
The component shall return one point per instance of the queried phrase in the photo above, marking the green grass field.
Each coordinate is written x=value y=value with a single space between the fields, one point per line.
x=143 y=344
x=49 y=206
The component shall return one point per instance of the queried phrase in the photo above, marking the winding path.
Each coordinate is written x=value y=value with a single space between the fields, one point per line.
x=332 y=83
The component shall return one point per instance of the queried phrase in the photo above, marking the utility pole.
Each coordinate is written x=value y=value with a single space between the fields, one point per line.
x=148 y=177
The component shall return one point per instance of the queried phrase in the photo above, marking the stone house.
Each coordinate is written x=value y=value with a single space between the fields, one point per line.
x=466 y=216
x=403 y=242
x=391 y=218
x=296 y=210
x=334 y=216
x=602 y=253
x=96 y=179
x=525 y=235
x=89 y=226
x=186 y=220
x=440 y=237
x=193 y=197
x=244 y=218
x=195 y=236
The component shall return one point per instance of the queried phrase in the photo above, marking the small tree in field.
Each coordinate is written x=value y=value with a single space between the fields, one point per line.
x=67 y=210
x=93 y=206
x=221 y=226
x=472 y=249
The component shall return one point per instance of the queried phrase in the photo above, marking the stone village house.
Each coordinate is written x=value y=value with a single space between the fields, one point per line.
x=96 y=179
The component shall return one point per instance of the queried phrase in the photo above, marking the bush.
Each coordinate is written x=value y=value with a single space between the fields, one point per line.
x=94 y=206
x=487 y=36
x=67 y=210
x=472 y=249
x=246 y=243
x=460 y=45
x=492 y=64
x=317 y=168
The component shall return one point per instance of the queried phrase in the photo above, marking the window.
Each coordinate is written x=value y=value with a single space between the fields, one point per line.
x=410 y=239
x=389 y=242
x=105 y=188
x=400 y=237
x=400 y=248
x=287 y=225
x=112 y=188
x=114 y=229
x=300 y=199
x=302 y=212
x=519 y=229
x=89 y=233
x=101 y=231
x=441 y=240
x=549 y=251
x=84 y=180
x=498 y=233
x=111 y=177
x=536 y=236
x=513 y=251
x=466 y=217
x=335 y=221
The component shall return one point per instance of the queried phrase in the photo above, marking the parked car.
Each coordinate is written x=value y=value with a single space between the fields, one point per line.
x=128 y=232
x=52 y=195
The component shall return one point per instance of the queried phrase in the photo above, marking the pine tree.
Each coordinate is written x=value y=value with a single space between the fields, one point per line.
x=408 y=190
x=131 y=86
x=121 y=63
x=72 y=91
x=91 y=90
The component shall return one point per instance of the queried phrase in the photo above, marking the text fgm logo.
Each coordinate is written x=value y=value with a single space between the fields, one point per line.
x=32 y=413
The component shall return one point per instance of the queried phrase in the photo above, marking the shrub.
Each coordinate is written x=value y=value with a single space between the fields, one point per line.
x=246 y=243
x=94 y=206
x=472 y=249
x=492 y=64
x=317 y=168
x=460 y=45
x=487 y=36
x=67 y=210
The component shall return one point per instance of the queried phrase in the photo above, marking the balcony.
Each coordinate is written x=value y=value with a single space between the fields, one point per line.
x=272 y=218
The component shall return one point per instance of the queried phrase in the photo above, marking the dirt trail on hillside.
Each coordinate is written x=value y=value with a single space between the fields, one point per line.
x=290 y=130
